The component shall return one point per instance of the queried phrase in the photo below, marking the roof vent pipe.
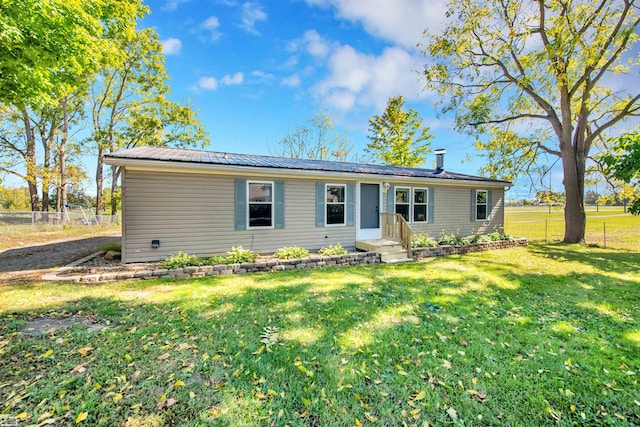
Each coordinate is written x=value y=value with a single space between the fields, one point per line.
x=440 y=159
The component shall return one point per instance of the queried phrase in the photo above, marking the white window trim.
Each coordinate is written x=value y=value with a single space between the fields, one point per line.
x=413 y=204
x=326 y=215
x=395 y=203
x=480 y=204
x=272 y=203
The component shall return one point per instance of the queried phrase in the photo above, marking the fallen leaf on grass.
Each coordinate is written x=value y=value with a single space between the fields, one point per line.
x=166 y=404
x=80 y=368
x=477 y=395
x=305 y=413
x=85 y=351
x=47 y=354
x=420 y=396
x=163 y=356
x=452 y=413
x=81 y=417
x=446 y=364
x=179 y=383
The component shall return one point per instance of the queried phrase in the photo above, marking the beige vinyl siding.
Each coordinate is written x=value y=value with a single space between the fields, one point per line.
x=452 y=211
x=194 y=213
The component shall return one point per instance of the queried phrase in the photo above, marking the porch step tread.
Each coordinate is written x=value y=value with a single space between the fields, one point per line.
x=379 y=245
x=396 y=256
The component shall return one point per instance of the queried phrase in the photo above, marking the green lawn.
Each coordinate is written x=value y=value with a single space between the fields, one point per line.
x=606 y=226
x=545 y=335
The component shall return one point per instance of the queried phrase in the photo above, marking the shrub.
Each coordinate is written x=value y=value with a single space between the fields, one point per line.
x=423 y=241
x=113 y=246
x=215 y=260
x=239 y=255
x=333 y=250
x=450 y=239
x=291 y=252
x=498 y=235
x=481 y=238
x=181 y=260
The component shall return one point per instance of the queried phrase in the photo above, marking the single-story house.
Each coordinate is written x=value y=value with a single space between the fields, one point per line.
x=203 y=203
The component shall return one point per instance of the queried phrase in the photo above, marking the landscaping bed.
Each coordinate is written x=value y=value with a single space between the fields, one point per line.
x=99 y=269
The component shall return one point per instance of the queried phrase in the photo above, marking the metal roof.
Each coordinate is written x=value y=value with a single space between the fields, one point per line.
x=177 y=155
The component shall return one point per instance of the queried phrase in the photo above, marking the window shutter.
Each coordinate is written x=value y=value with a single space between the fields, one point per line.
x=391 y=199
x=351 y=202
x=430 y=206
x=320 y=200
x=241 y=204
x=279 y=204
x=474 y=200
x=489 y=205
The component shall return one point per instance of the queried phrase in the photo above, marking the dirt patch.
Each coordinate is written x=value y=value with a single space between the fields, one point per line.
x=50 y=325
x=32 y=262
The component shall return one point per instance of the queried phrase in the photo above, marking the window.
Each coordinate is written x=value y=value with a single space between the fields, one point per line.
x=420 y=197
x=403 y=202
x=335 y=204
x=260 y=203
x=482 y=198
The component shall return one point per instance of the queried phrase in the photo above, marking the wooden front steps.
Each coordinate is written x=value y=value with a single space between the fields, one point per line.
x=391 y=251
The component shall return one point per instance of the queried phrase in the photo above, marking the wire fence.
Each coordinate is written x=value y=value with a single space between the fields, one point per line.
x=28 y=221
x=621 y=232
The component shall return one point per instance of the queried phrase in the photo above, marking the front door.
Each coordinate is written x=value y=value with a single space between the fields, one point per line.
x=369 y=224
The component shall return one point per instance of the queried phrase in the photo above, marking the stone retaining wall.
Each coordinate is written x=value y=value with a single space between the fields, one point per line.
x=314 y=261
x=249 y=267
x=419 y=253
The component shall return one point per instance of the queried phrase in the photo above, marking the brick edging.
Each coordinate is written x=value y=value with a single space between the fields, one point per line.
x=315 y=261
x=419 y=253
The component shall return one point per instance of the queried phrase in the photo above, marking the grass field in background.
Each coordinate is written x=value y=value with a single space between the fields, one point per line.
x=24 y=235
x=608 y=225
x=545 y=335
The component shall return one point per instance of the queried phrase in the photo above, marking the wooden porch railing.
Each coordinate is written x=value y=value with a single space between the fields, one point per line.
x=394 y=226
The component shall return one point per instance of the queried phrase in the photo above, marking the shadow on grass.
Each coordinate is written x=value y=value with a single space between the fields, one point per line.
x=323 y=347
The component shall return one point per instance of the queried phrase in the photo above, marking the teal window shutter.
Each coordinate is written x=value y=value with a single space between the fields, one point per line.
x=279 y=204
x=489 y=204
x=241 y=204
x=474 y=200
x=391 y=199
x=320 y=200
x=351 y=202
x=430 y=207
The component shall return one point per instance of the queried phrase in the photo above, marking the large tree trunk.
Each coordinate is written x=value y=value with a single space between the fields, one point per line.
x=63 y=154
x=32 y=180
x=575 y=220
x=115 y=175
x=99 y=180
x=46 y=174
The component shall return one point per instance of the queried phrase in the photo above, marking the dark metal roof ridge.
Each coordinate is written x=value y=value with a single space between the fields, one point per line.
x=166 y=154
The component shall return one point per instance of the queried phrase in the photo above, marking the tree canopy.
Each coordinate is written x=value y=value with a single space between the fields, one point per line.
x=622 y=163
x=398 y=137
x=537 y=77
x=314 y=140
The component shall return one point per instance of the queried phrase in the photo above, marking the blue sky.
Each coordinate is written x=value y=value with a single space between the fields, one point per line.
x=256 y=69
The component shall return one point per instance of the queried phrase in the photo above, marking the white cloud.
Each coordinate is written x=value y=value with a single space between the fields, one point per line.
x=208 y=83
x=259 y=76
x=212 y=83
x=250 y=14
x=312 y=43
x=211 y=26
x=356 y=79
x=234 y=79
x=171 y=5
x=399 y=22
x=171 y=46
x=291 y=81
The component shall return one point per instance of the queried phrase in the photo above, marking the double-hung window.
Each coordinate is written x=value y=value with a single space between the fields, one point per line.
x=482 y=199
x=335 y=204
x=260 y=203
x=403 y=202
x=420 y=198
